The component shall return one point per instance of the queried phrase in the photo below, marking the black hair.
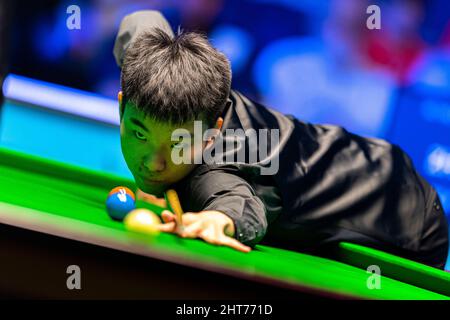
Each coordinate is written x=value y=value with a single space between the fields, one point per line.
x=175 y=79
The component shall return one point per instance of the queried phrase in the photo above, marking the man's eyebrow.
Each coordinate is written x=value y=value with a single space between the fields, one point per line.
x=139 y=124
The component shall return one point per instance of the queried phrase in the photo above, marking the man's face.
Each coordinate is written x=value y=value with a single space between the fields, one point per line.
x=147 y=149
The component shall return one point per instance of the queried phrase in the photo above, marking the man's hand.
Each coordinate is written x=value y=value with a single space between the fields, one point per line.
x=212 y=226
x=141 y=195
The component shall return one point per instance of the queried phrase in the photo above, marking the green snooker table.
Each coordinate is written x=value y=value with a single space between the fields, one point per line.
x=52 y=215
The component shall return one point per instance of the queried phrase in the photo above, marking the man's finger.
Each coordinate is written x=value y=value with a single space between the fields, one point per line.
x=192 y=230
x=233 y=243
x=209 y=235
x=167 y=227
x=190 y=217
x=150 y=198
x=167 y=216
x=215 y=235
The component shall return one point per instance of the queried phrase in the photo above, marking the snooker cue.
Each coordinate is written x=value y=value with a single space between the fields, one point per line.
x=174 y=202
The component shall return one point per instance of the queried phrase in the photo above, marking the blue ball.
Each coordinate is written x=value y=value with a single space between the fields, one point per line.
x=118 y=205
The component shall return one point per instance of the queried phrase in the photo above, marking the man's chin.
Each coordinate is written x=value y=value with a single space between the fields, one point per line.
x=156 y=190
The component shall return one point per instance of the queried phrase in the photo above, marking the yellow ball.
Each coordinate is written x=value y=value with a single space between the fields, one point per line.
x=142 y=220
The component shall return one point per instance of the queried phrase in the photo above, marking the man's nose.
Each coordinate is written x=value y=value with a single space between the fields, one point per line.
x=155 y=163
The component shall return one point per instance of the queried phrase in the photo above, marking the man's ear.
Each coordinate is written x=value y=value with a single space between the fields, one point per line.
x=121 y=106
x=219 y=123
x=218 y=127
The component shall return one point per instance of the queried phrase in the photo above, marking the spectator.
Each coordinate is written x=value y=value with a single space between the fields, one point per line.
x=398 y=44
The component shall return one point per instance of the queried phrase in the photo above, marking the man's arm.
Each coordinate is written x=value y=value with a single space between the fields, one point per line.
x=222 y=189
x=224 y=210
x=212 y=226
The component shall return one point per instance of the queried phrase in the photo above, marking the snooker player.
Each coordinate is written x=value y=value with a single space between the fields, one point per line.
x=331 y=185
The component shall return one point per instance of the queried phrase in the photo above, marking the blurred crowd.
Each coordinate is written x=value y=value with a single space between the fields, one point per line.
x=315 y=59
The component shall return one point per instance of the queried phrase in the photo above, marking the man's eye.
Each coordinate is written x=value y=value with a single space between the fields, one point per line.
x=139 y=135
